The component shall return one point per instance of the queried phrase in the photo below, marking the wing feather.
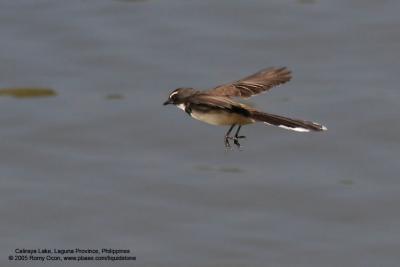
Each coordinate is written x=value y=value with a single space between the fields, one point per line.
x=206 y=102
x=254 y=84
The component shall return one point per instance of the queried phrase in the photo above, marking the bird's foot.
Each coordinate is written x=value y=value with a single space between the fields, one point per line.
x=227 y=144
x=236 y=140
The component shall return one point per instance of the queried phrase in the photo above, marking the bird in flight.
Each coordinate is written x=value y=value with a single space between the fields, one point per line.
x=217 y=106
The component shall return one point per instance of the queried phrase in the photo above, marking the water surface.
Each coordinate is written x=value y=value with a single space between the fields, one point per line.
x=104 y=164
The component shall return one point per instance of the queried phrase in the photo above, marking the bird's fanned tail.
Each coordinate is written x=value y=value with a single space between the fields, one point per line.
x=287 y=123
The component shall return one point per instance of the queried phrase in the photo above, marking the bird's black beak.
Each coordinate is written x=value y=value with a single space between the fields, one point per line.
x=167 y=102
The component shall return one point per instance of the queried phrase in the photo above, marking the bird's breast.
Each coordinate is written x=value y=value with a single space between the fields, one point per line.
x=220 y=117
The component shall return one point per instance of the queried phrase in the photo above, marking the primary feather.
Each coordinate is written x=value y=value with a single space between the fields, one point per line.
x=254 y=84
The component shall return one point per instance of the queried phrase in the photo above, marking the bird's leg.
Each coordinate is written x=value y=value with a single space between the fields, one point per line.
x=227 y=136
x=237 y=137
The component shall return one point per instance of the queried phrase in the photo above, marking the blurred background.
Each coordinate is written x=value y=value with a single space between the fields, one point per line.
x=99 y=162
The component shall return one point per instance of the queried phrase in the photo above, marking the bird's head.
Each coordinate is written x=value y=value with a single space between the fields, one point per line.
x=179 y=95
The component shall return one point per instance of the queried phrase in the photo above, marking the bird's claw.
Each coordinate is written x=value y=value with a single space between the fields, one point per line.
x=235 y=141
x=227 y=144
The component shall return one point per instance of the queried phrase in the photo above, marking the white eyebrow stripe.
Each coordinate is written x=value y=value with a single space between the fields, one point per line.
x=174 y=93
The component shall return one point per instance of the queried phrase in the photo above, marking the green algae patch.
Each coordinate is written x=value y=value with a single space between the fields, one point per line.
x=230 y=169
x=114 y=97
x=131 y=1
x=27 y=92
x=346 y=182
x=307 y=2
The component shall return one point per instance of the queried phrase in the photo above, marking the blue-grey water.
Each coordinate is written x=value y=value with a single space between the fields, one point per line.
x=104 y=165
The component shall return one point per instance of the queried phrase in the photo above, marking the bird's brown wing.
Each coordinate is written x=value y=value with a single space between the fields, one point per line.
x=206 y=102
x=254 y=84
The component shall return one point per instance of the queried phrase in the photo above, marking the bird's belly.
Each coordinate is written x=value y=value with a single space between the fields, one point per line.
x=221 y=118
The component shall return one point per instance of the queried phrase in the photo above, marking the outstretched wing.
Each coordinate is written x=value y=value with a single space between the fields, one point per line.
x=254 y=84
x=206 y=102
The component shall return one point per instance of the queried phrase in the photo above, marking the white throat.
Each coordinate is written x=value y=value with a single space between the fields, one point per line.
x=181 y=106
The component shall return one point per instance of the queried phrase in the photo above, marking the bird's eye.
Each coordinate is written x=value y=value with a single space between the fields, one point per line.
x=173 y=96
